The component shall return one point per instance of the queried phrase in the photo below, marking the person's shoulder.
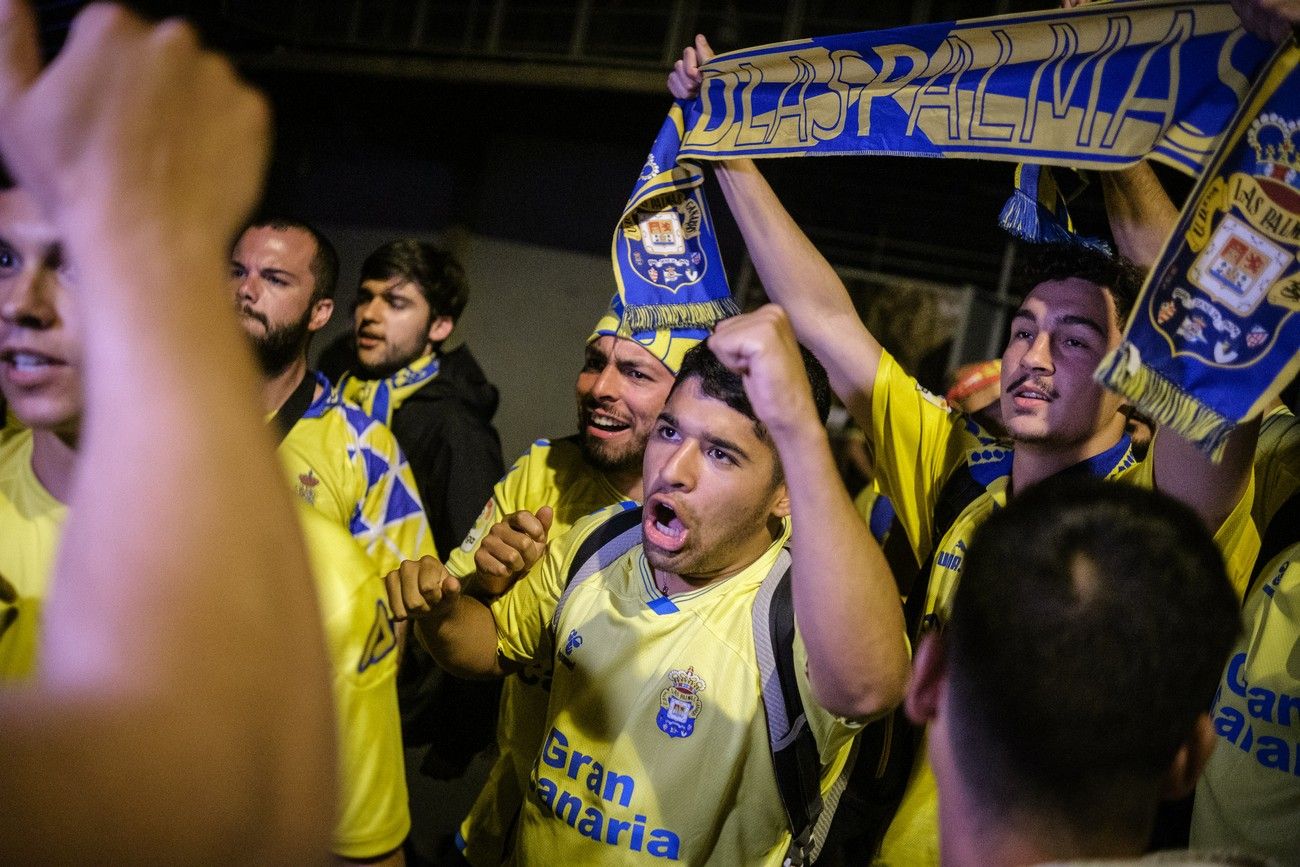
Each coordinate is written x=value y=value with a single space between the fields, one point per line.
x=587 y=525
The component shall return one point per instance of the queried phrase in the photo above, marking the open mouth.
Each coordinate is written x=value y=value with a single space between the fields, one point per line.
x=663 y=527
x=26 y=368
x=605 y=425
x=28 y=362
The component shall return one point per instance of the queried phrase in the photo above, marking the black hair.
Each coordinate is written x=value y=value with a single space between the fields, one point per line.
x=440 y=278
x=720 y=383
x=325 y=262
x=1039 y=263
x=1088 y=633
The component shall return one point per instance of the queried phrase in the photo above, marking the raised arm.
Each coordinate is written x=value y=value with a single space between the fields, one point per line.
x=184 y=679
x=793 y=272
x=1141 y=214
x=1212 y=490
x=845 y=600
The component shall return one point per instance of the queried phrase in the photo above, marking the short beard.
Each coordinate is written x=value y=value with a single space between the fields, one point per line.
x=279 y=347
x=599 y=454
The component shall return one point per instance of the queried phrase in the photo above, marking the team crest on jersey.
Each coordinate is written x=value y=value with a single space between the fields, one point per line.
x=381 y=639
x=680 y=703
x=571 y=643
x=307 y=483
x=480 y=528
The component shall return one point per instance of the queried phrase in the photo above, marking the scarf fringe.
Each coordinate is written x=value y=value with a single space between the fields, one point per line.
x=1163 y=401
x=692 y=314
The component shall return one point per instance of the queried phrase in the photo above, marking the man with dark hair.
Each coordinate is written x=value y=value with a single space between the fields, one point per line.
x=620 y=388
x=942 y=472
x=339 y=460
x=439 y=405
x=1044 y=751
x=657 y=742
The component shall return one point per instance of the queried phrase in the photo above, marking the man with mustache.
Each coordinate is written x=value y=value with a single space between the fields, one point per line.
x=1060 y=421
x=340 y=461
x=656 y=739
x=620 y=389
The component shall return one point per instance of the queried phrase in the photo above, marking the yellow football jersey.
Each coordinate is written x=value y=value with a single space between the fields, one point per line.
x=913 y=836
x=348 y=466
x=30 y=524
x=372 y=812
x=551 y=474
x=656 y=742
x=1277 y=464
x=1248 y=799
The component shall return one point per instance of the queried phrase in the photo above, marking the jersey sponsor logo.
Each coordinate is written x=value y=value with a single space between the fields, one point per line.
x=571 y=643
x=1264 y=705
x=612 y=791
x=951 y=560
x=381 y=640
x=680 y=703
x=307 y=483
x=481 y=525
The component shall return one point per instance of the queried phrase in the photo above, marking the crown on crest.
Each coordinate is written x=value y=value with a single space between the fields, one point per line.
x=1276 y=142
x=686 y=681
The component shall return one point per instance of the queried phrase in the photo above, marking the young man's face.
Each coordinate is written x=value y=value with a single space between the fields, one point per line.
x=393 y=326
x=620 y=391
x=40 y=333
x=711 y=489
x=273 y=284
x=1058 y=337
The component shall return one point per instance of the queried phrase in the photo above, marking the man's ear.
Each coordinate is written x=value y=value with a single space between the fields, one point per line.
x=440 y=328
x=1180 y=779
x=781 y=501
x=929 y=677
x=321 y=312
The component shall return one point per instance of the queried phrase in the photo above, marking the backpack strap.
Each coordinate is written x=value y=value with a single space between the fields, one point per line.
x=611 y=540
x=795 y=757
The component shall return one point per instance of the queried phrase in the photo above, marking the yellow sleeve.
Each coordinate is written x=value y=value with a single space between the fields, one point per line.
x=1237 y=537
x=523 y=614
x=914 y=446
x=372 y=815
x=1277 y=465
x=508 y=495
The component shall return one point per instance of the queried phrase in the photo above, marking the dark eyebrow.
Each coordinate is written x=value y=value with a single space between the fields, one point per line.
x=729 y=446
x=1068 y=319
x=724 y=444
x=1086 y=322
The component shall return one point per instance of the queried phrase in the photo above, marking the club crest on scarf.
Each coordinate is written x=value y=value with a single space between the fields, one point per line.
x=666 y=259
x=1214 y=335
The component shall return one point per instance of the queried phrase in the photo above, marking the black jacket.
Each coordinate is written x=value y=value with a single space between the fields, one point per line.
x=445 y=430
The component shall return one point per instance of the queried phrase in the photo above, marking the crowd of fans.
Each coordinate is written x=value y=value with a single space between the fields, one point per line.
x=1041 y=632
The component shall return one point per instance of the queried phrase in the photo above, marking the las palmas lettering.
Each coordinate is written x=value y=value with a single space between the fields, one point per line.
x=613 y=790
x=1100 y=89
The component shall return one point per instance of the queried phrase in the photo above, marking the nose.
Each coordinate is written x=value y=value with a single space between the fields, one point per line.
x=680 y=468
x=608 y=385
x=249 y=289
x=28 y=299
x=366 y=312
x=1039 y=354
